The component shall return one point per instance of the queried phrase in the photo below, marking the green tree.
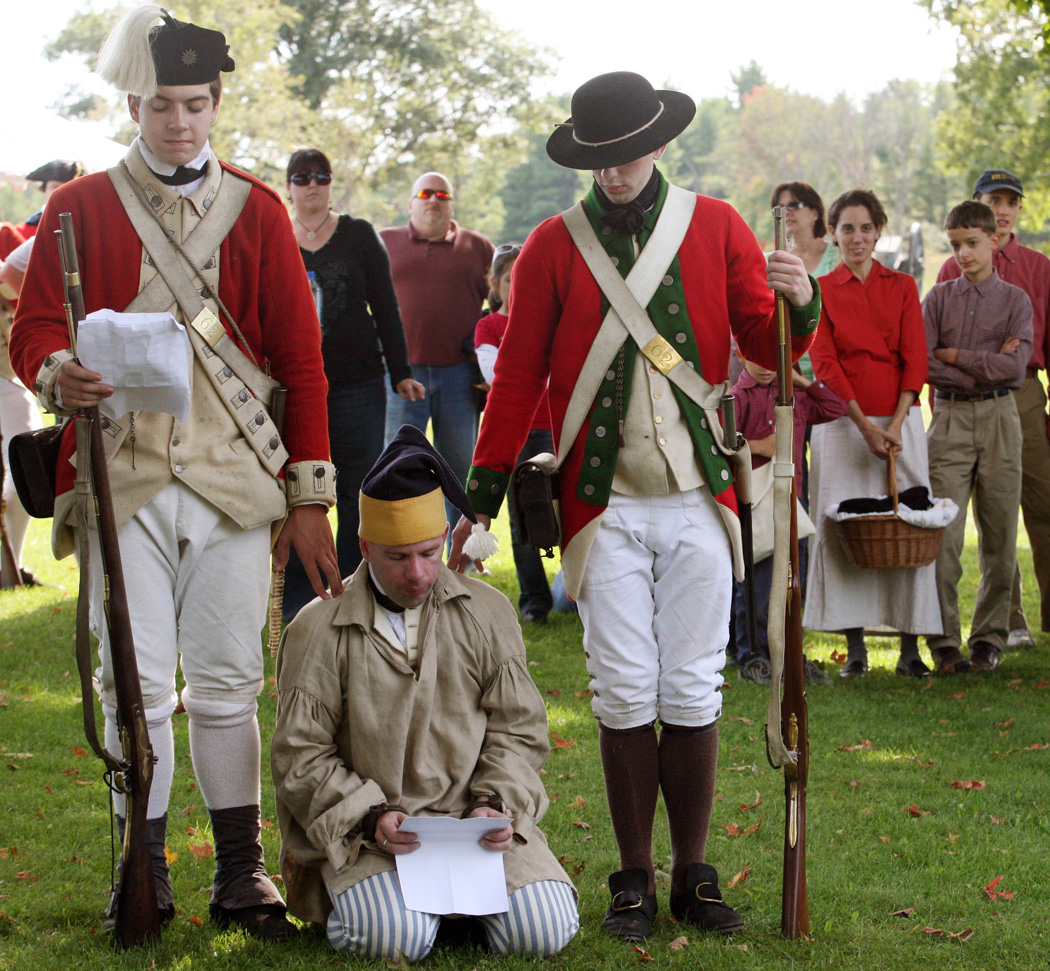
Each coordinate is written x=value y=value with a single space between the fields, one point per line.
x=1003 y=113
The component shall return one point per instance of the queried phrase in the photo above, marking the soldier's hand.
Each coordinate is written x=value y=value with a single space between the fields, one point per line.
x=391 y=840
x=787 y=273
x=456 y=560
x=308 y=530
x=80 y=387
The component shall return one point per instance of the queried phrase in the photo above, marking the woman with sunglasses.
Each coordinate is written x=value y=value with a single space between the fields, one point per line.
x=805 y=226
x=360 y=327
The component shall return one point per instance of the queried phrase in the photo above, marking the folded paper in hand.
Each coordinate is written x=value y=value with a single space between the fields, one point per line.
x=146 y=357
x=450 y=872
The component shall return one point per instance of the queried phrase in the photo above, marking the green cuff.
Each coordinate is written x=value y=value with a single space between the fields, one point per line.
x=804 y=320
x=486 y=490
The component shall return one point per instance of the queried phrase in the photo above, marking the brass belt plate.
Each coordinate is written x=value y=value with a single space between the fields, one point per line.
x=662 y=354
x=208 y=326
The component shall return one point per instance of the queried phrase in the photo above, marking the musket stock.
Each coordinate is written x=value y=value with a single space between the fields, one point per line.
x=794 y=726
x=134 y=900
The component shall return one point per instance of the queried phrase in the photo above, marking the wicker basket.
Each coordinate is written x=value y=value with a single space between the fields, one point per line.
x=883 y=542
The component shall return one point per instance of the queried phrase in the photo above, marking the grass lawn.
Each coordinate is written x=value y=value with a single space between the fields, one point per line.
x=919 y=799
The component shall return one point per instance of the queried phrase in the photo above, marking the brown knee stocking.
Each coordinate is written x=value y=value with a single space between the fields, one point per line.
x=630 y=761
x=688 y=760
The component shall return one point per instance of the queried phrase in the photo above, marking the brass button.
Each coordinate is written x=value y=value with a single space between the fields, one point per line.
x=175 y=440
x=663 y=441
x=178 y=469
x=656 y=394
x=652 y=369
x=472 y=485
x=658 y=420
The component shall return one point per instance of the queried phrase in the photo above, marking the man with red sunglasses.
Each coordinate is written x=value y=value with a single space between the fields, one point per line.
x=440 y=273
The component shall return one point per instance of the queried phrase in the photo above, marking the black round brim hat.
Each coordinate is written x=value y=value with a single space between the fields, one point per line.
x=617 y=118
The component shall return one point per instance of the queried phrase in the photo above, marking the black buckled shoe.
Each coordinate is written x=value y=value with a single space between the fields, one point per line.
x=631 y=914
x=701 y=904
x=266 y=922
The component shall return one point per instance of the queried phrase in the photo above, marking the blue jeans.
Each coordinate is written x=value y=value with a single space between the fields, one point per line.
x=535 y=593
x=450 y=404
x=355 y=431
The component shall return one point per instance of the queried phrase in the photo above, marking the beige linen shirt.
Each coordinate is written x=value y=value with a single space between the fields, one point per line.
x=358 y=726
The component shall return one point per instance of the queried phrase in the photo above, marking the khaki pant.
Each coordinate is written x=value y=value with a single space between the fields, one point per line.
x=975 y=451
x=1035 y=497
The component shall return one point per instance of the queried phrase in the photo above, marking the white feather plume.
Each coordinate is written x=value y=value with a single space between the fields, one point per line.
x=126 y=60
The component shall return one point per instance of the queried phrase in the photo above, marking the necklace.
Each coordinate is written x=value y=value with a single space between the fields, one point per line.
x=312 y=233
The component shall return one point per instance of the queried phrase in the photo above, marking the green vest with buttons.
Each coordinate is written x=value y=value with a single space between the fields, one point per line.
x=667 y=310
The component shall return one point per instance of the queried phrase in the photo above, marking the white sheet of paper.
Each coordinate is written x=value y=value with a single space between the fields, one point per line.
x=146 y=357
x=451 y=873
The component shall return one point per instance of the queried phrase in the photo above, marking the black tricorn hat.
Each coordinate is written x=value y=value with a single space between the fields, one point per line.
x=617 y=118
x=188 y=54
x=57 y=170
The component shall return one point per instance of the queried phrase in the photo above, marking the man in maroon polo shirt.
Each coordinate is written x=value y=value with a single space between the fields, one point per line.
x=440 y=273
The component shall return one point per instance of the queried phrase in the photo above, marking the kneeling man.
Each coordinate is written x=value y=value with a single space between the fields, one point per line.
x=409 y=695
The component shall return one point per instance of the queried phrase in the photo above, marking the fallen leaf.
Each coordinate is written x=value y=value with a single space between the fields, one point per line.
x=1006 y=724
x=642 y=955
x=554 y=692
x=579 y=868
x=586 y=693
x=914 y=810
x=863 y=744
x=952 y=837
x=196 y=921
x=566 y=775
x=885 y=839
x=26 y=875
x=71 y=772
x=79 y=752
x=49 y=789
x=907 y=912
x=838 y=657
x=853 y=782
x=733 y=829
x=188 y=811
x=996 y=820
x=201 y=851
x=560 y=742
x=679 y=943
x=169 y=855
x=932 y=930
x=740 y=877
x=582 y=824
x=757 y=802
x=739 y=718
x=81 y=782
x=1037 y=747
x=578 y=803
x=969 y=785
x=962 y=935
x=994 y=894
x=265 y=824
x=751 y=830
x=746 y=948
x=957 y=696
x=1039 y=685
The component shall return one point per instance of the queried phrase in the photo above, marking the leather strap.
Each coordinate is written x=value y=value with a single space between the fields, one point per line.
x=236 y=379
x=627 y=316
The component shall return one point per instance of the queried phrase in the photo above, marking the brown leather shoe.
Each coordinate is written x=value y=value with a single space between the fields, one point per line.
x=984 y=657
x=950 y=661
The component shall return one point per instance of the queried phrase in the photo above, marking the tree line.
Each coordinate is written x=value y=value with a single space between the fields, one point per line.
x=392 y=88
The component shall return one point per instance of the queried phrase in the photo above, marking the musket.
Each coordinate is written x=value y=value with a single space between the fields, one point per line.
x=133 y=904
x=787 y=727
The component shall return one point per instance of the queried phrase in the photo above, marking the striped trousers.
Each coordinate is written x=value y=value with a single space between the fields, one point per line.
x=370 y=919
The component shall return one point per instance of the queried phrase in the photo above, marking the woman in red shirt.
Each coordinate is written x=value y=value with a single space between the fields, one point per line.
x=870 y=348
